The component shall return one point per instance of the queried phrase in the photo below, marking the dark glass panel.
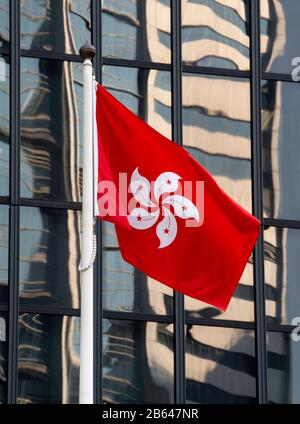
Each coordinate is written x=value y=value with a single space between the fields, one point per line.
x=49 y=257
x=280 y=34
x=220 y=365
x=216 y=131
x=48 y=359
x=3 y=357
x=51 y=127
x=146 y=92
x=4 y=240
x=4 y=23
x=137 y=29
x=4 y=125
x=216 y=33
x=281 y=149
x=282 y=270
x=138 y=362
x=55 y=25
x=283 y=367
x=125 y=288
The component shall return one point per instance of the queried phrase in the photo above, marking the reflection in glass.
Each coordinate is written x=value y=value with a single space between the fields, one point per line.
x=3 y=357
x=281 y=149
x=216 y=130
x=127 y=289
x=4 y=23
x=215 y=33
x=4 y=240
x=240 y=308
x=220 y=365
x=48 y=359
x=138 y=362
x=283 y=368
x=49 y=257
x=4 y=125
x=51 y=129
x=55 y=25
x=137 y=29
x=280 y=32
x=146 y=92
x=282 y=270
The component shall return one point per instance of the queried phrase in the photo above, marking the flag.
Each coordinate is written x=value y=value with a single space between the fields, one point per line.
x=172 y=220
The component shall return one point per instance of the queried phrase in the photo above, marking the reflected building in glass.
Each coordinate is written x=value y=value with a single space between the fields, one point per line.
x=214 y=76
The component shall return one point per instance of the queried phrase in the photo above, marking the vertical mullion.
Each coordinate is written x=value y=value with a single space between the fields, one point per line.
x=12 y=376
x=179 y=344
x=257 y=190
x=96 y=41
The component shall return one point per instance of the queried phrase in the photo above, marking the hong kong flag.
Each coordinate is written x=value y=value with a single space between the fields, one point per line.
x=172 y=220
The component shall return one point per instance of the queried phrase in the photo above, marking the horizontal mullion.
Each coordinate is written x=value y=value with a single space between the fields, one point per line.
x=277 y=77
x=4 y=201
x=50 y=204
x=128 y=63
x=288 y=223
x=48 y=310
x=4 y=51
x=38 y=54
x=203 y=70
x=133 y=316
x=220 y=323
x=281 y=328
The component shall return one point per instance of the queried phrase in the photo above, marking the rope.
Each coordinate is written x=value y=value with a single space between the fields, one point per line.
x=82 y=268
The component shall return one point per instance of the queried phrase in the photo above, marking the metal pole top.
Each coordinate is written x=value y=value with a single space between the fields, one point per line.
x=87 y=51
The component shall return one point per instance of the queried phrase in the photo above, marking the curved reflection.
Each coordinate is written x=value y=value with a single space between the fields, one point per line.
x=4 y=23
x=49 y=257
x=48 y=359
x=220 y=365
x=215 y=33
x=51 y=25
x=137 y=29
x=282 y=268
x=4 y=245
x=50 y=130
x=138 y=362
x=4 y=125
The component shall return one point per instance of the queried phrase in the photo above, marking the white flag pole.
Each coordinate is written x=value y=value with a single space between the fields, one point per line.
x=86 y=383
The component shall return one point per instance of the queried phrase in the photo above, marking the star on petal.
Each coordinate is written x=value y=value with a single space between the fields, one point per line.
x=139 y=218
x=169 y=182
x=166 y=230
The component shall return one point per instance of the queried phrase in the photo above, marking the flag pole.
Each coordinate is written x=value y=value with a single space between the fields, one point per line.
x=86 y=382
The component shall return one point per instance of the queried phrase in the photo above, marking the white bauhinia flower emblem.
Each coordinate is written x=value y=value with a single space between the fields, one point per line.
x=141 y=219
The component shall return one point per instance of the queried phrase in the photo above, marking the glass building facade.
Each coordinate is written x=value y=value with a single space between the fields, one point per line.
x=213 y=75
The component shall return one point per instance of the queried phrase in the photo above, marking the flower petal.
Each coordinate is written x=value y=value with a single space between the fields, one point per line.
x=140 y=188
x=183 y=207
x=167 y=182
x=166 y=230
x=140 y=219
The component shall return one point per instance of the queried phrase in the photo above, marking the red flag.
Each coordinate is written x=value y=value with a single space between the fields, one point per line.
x=175 y=224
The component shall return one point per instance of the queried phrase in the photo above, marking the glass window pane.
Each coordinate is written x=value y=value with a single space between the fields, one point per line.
x=283 y=368
x=281 y=149
x=282 y=270
x=280 y=32
x=216 y=131
x=138 y=362
x=215 y=33
x=220 y=365
x=146 y=92
x=137 y=29
x=3 y=357
x=240 y=308
x=127 y=289
x=51 y=129
x=55 y=25
x=48 y=359
x=49 y=257
x=4 y=23
x=4 y=240
x=4 y=125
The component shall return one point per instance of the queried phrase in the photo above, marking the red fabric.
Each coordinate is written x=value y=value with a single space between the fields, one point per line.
x=204 y=262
